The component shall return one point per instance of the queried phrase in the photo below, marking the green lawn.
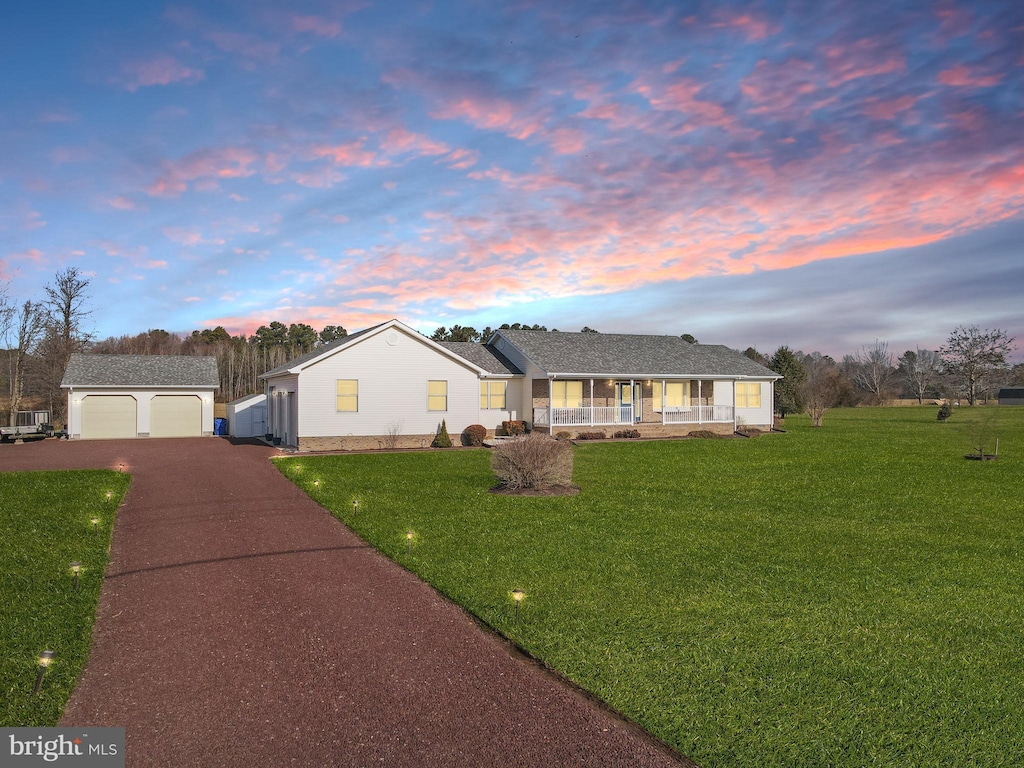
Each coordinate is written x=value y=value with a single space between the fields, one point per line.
x=849 y=595
x=45 y=523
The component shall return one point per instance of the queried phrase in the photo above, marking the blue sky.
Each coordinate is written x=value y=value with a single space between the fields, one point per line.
x=814 y=174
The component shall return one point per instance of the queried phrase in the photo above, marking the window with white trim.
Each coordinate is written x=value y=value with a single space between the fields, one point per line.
x=348 y=395
x=748 y=394
x=492 y=395
x=676 y=394
x=437 y=395
x=566 y=394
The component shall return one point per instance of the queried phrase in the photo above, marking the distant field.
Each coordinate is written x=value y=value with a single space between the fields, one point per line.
x=849 y=595
x=45 y=526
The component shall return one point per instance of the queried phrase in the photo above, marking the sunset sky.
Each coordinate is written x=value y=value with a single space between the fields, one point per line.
x=818 y=174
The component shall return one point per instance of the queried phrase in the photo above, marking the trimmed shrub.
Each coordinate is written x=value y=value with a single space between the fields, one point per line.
x=630 y=434
x=591 y=436
x=563 y=435
x=533 y=462
x=705 y=434
x=516 y=427
x=945 y=411
x=442 y=440
x=474 y=435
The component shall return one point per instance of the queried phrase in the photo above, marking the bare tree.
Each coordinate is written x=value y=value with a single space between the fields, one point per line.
x=871 y=369
x=974 y=356
x=65 y=332
x=920 y=371
x=825 y=387
x=31 y=321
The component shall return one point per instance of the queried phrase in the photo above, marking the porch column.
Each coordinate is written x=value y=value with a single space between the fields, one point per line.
x=700 y=404
x=734 y=405
x=551 y=405
x=664 y=391
x=591 y=402
x=632 y=402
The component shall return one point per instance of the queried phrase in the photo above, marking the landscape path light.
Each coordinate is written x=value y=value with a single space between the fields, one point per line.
x=95 y=524
x=110 y=495
x=44 y=661
x=76 y=568
x=518 y=596
x=355 y=507
x=408 y=542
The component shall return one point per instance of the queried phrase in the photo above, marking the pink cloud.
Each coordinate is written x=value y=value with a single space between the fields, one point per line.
x=752 y=27
x=400 y=141
x=156 y=264
x=122 y=203
x=887 y=109
x=963 y=77
x=32 y=254
x=490 y=113
x=211 y=163
x=462 y=159
x=160 y=70
x=864 y=58
x=182 y=236
x=316 y=25
x=318 y=178
x=350 y=154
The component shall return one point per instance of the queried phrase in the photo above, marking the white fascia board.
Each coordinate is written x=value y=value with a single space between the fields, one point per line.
x=646 y=376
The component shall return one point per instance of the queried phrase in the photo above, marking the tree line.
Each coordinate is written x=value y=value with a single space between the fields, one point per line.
x=971 y=365
x=40 y=336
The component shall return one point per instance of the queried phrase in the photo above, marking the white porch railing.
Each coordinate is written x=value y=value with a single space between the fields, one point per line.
x=583 y=416
x=697 y=414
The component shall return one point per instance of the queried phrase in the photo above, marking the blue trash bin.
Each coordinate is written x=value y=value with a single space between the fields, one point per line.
x=220 y=427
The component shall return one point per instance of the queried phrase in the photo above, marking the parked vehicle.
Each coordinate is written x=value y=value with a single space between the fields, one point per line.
x=28 y=424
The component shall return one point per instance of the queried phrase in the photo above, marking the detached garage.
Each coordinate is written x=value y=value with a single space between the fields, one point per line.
x=122 y=396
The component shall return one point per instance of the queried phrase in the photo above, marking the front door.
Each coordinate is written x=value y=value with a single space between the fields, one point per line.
x=628 y=399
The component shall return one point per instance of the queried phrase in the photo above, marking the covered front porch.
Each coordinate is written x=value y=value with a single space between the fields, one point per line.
x=625 y=402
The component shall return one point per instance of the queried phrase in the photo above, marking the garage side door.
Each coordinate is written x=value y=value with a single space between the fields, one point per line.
x=108 y=416
x=176 y=416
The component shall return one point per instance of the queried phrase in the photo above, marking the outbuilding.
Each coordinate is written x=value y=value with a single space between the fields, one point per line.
x=247 y=416
x=128 y=396
x=1011 y=396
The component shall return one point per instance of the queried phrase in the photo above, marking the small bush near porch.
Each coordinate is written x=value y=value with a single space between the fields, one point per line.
x=844 y=596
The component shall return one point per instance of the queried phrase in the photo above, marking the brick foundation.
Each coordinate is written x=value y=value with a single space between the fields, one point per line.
x=366 y=442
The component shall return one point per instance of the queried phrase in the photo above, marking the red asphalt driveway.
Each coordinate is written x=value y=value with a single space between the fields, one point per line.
x=240 y=624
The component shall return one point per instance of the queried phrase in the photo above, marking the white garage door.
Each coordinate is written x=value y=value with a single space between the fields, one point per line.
x=176 y=416
x=108 y=416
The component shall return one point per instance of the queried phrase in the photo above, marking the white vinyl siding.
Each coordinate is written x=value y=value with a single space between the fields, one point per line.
x=493 y=395
x=437 y=395
x=145 y=406
x=392 y=389
x=348 y=395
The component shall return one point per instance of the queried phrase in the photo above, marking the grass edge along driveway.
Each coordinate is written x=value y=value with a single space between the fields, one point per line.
x=46 y=518
x=844 y=596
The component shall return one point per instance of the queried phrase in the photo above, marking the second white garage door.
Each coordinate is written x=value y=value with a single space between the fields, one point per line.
x=108 y=416
x=176 y=416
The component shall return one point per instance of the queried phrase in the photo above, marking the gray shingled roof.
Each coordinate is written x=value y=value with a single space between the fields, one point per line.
x=140 y=371
x=620 y=354
x=1011 y=393
x=317 y=352
x=488 y=358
